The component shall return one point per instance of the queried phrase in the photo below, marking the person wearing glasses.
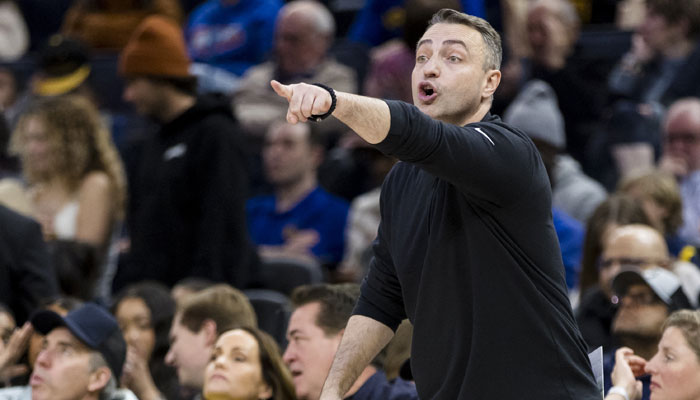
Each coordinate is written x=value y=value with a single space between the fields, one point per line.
x=681 y=157
x=646 y=297
x=674 y=369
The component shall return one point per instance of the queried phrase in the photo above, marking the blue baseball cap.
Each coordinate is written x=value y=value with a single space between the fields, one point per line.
x=92 y=325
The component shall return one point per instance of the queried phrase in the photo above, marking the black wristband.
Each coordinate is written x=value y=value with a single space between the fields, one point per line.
x=317 y=117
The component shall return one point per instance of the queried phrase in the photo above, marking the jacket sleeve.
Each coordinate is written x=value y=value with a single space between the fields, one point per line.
x=26 y=265
x=486 y=161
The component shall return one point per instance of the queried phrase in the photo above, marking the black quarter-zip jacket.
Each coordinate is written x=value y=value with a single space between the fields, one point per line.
x=467 y=251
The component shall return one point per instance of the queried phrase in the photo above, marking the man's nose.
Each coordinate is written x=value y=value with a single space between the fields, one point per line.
x=43 y=359
x=431 y=67
x=288 y=355
x=170 y=358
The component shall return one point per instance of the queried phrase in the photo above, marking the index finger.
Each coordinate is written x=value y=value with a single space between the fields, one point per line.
x=282 y=90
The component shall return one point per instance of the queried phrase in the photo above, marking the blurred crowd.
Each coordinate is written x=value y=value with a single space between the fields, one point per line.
x=168 y=235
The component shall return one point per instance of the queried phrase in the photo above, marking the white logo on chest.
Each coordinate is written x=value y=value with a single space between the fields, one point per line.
x=175 y=151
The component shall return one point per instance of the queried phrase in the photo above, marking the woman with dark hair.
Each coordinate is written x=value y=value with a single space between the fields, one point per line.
x=144 y=311
x=246 y=365
x=595 y=310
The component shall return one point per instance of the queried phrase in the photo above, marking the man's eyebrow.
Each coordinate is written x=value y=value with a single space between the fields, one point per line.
x=444 y=42
x=455 y=41
x=422 y=42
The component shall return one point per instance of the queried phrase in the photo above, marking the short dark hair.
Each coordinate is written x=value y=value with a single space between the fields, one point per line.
x=674 y=11
x=492 y=40
x=227 y=306
x=336 y=301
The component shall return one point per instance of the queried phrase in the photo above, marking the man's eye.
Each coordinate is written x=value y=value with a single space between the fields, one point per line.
x=454 y=59
x=421 y=58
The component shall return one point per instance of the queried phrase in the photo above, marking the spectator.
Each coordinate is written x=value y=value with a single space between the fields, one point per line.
x=26 y=274
x=647 y=297
x=82 y=355
x=144 y=312
x=660 y=196
x=675 y=367
x=108 y=24
x=14 y=40
x=660 y=68
x=75 y=176
x=628 y=245
x=72 y=167
x=62 y=67
x=187 y=205
x=12 y=345
x=681 y=157
x=535 y=112
x=61 y=305
x=303 y=35
x=246 y=365
x=314 y=333
x=643 y=246
x=300 y=220
x=226 y=37
x=552 y=31
x=199 y=320
x=595 y=310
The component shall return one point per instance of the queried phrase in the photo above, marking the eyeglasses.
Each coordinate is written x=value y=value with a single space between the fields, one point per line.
x=639 y=299
x=682 y=138
x=605 y=263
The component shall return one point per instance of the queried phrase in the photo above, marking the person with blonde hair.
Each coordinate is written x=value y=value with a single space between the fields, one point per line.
x=76 y=182
x=674 y=369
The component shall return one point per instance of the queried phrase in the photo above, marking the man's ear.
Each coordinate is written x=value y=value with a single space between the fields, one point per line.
x=209 y=329
x=99 y=379
x=491 y=82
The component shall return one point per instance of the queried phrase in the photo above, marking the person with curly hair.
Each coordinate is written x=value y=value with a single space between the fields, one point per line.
x=76 y=182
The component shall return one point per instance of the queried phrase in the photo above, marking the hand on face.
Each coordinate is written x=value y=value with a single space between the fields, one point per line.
x=136 y=376
x=627 y=366
x=676 y=166
x=14 y=349
x=304 y=100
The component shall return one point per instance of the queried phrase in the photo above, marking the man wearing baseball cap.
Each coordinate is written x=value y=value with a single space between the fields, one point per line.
x=81 y=357
x=646 y=297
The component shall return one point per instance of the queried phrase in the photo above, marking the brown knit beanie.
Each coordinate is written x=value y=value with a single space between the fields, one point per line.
x=156 y=48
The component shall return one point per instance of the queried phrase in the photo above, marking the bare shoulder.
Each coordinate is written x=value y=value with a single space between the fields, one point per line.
x=95 y=182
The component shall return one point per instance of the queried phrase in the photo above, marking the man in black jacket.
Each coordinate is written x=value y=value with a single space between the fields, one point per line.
x=466 y=248
x=186 y=211
x=27 y=278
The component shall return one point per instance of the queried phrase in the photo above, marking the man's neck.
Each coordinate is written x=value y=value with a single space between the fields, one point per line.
x=288 y=196
x=364 y=376
x=643 y=346
x=176 y=103
x=480 y=113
